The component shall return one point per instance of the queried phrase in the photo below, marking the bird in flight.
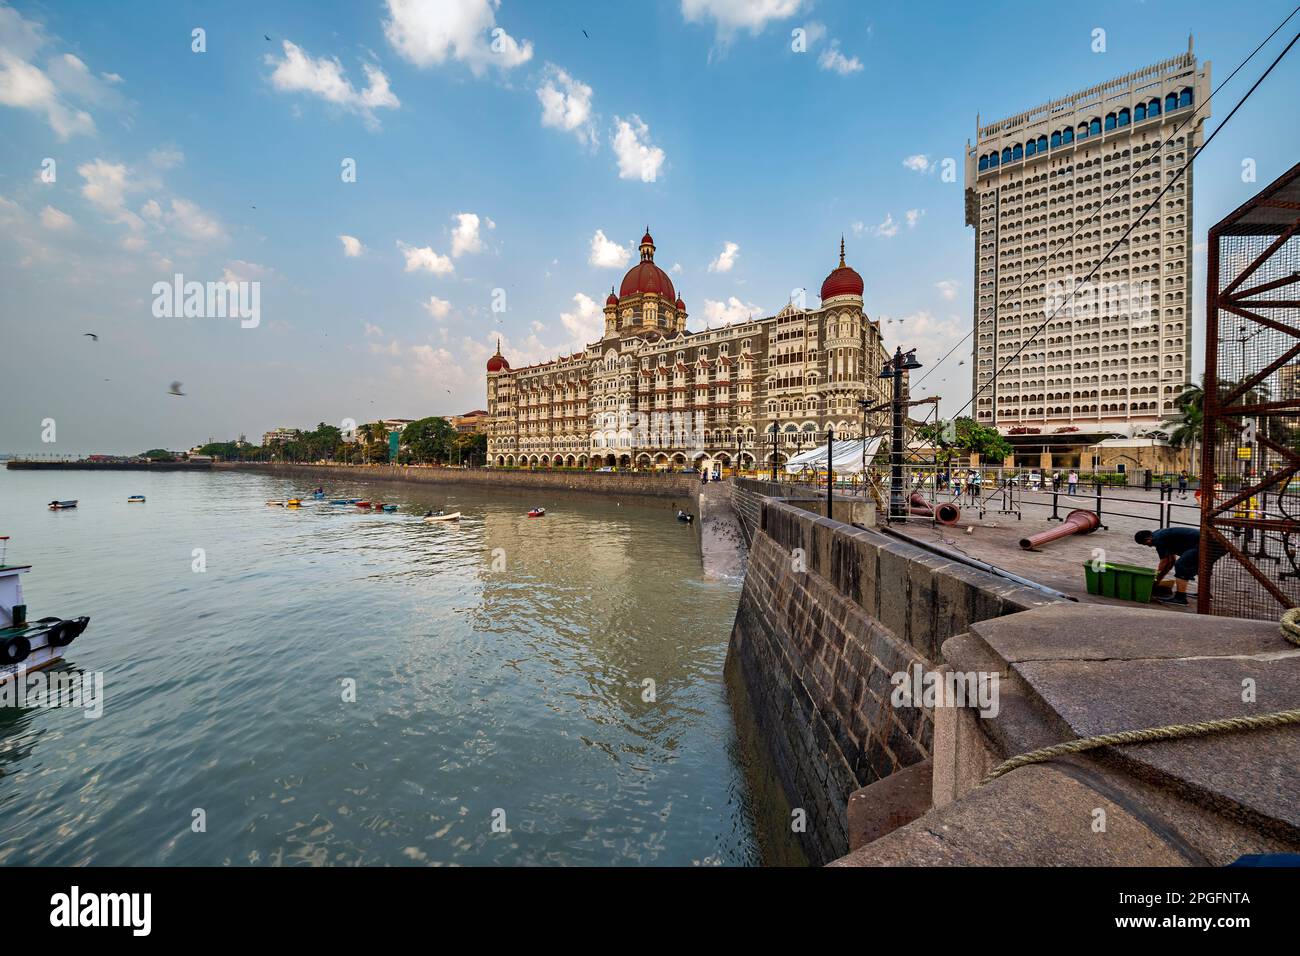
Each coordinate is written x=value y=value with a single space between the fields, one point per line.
x=584 y=33
x=92 y=335
x=175 y=389
x=268 y=39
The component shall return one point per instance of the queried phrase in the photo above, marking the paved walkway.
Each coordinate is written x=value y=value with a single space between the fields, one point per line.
x=721 y=542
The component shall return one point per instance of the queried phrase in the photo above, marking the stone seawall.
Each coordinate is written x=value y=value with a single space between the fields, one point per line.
x=827 y=614
x=600 y=483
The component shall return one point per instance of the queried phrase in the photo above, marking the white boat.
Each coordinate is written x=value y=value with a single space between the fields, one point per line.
x=451 y=517
x=28 y=647
x=61 y=505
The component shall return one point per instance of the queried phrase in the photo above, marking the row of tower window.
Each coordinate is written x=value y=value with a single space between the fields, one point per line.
x=1094 y=127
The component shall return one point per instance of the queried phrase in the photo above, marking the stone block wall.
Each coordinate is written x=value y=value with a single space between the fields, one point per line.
x=827 y=614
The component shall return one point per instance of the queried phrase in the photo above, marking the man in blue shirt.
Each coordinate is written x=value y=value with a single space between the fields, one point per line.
x=1179 y=550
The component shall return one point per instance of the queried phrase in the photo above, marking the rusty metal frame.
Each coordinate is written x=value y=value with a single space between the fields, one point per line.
x=1221 y=417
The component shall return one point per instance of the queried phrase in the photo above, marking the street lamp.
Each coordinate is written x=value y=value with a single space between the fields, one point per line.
x=894 y=368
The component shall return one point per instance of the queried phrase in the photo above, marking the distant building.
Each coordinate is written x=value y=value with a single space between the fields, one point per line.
x=471 y=422
x=1289 y=382
x=276 y=435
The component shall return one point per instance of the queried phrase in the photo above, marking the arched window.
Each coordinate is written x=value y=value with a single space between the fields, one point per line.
x=984 y=163
x=1006 y=154
x=1067 y=136
x=1094 y=126
x=1111 y=121
x=1083 y=131
x=1017 y=152
x=1123 y=117
x=1139 y=112
x=1042 y=144
x=993 y=160
x=1030 y=148
x=1153 y=108
x=1056 y=139
x=1171 y=102
x=1185 y=97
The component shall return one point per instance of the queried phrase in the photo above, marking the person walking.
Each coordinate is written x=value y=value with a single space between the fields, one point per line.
x=1056 y=481
x=1182 y=485
x=1146 y=480
x=1073 y=482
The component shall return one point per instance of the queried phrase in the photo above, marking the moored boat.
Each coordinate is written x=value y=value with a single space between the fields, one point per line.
x=63 y=505
x=27 y=647
x=135 y=500
x=454 y=516
x=362 y=504
x=537 y=513
x=390 y=508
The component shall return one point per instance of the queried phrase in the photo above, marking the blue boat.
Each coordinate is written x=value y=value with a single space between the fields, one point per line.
x=390 y=507
x=339 y=501
x=135 y=499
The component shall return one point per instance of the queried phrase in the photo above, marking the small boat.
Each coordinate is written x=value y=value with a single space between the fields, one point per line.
x=454 y=516
x=293 y=503
x=362 y=504
x=61 y=505
x=276 y=504
x=537 y=513
x=135 y=499
x=352 y=501
x=28 y=647
x=340 y=501
x=685 y=516
x=390 y=508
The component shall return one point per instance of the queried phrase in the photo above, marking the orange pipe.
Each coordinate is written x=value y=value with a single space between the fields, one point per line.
x=1076 y=522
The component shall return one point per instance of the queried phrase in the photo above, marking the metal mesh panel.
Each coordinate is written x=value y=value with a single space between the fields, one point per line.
x=1250 y=529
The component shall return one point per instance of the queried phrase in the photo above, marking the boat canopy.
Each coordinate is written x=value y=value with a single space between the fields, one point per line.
x=848 y=457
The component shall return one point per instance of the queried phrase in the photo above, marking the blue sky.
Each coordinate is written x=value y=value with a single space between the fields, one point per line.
x=530 y=168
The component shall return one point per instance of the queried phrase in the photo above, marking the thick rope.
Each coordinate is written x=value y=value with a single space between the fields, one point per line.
x=1290 y=626
x=1171 y=732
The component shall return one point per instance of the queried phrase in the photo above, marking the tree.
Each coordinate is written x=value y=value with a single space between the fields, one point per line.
x=429 y=439
x=158 y=454
x=965 y=435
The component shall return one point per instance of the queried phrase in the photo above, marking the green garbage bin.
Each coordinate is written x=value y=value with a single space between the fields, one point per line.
x=1123 y=581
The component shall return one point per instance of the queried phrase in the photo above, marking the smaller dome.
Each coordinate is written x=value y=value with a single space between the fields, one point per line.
x=680 y=305
x=646 y=240
x=613 y=299
x=498 y=362
x=843 y=280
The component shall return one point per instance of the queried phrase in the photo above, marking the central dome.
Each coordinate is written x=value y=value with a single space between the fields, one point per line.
x=645 y=276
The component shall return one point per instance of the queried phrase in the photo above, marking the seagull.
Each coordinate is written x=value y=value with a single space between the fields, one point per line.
x=92 y=335
x=584 y=33
x=268 y=39
x=175 y=389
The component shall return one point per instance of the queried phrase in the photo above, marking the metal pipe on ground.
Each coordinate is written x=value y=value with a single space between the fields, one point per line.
x=1076 y=522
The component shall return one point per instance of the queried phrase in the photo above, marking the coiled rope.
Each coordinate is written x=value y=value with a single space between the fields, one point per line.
x=1290 y=626
x=1280 y=718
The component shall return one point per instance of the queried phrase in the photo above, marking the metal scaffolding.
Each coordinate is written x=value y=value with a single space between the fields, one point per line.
x=1250 y=498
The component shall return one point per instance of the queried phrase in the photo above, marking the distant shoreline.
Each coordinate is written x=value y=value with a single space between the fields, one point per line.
x=18 y=464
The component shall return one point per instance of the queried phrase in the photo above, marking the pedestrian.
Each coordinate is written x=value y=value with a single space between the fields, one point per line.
x=1179 y=551
x=1073 y=482
x=1146 y=480
x=1056 y=481
x=1182 y=485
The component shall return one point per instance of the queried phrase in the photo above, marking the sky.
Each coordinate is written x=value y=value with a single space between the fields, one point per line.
x=407 y=182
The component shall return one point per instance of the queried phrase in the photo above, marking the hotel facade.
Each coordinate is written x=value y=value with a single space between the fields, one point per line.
x=1048 y=192
x=650 y=394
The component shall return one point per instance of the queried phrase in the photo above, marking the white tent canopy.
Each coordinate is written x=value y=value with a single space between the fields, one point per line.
x=848 y=457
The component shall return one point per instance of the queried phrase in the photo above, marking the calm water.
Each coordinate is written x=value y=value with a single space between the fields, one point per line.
x=477 y=689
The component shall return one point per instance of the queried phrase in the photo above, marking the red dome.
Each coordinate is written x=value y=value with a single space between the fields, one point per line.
x=613 y=299
x=680 y=305
x=646 y=239
x=844 y=280
x=498 y=362
x=645 y=276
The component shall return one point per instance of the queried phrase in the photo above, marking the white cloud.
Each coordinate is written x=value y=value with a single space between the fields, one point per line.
x=299 y=72
x=858 y=227
x=55 y=219
x=729 y=312
x=105 y=188
x=607 y=254
x=373 y=329
x=438 y=308
x=392 y=348
x=566 y=104
x=424 y=259
x=240 y=270
x=166 y=157
x=947 y=288
x=733 y=15
x=586 y=323
x=918 y=162
x=832 y=59
x=637 y=158
x=676 y=269
x=726 y=259
x=913 y=217
x=352 y=246
x=426 y=32
x=24 y=85
x=465 y=237
x=191 y=222
x=888 y=228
